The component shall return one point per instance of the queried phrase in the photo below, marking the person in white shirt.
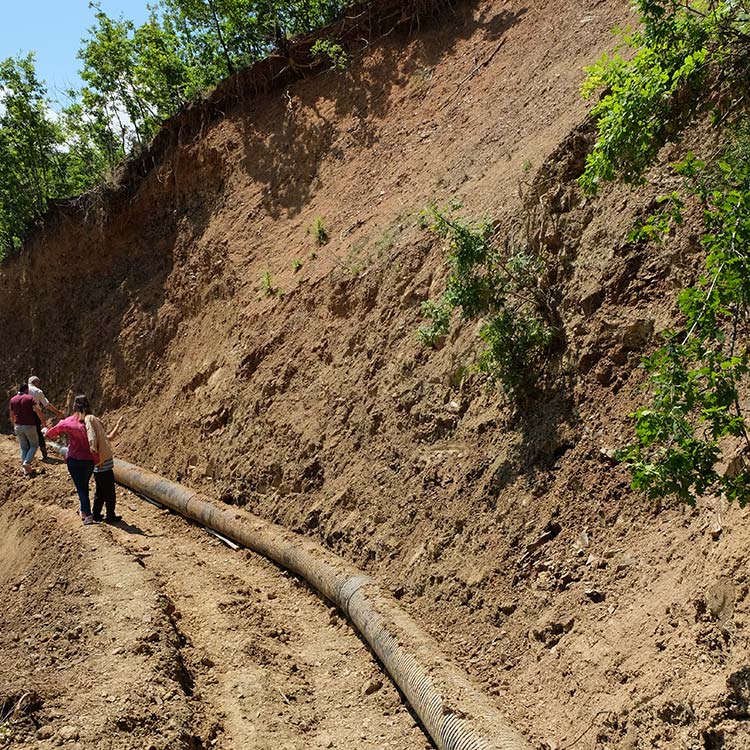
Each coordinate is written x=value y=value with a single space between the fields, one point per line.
x=43 y=403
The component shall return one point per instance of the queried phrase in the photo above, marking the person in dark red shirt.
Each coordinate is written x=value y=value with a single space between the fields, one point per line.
x=23 y=409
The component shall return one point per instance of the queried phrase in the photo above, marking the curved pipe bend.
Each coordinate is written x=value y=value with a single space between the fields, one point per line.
x=454 y=712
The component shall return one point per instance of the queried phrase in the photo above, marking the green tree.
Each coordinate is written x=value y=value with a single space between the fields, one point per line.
x=30 y=168
x=109 y=71
x=161 y=71
x=90 y=147
x=203 y=25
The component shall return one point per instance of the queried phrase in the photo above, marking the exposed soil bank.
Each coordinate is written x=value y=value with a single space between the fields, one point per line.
x=509 y=533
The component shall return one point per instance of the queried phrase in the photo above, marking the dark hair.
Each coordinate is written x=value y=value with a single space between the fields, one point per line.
x=23 y=388
x=81 y=404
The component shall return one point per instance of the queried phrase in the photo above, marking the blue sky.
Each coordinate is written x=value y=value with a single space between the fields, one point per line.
x=53 y=29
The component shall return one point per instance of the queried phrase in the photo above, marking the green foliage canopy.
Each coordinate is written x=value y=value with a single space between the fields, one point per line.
x=30 y=165
x=689 y=59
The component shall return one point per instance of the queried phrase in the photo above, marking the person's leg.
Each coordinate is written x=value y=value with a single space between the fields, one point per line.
x=74 y=469
x=80 y=472
x=31 y=436
x=98 y=495
x=23 y=441
x=107 y=483
x=40 y=436
x=28 y=443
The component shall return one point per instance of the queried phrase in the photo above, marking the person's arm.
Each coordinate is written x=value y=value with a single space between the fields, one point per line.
x=44 y=402
x=60 y=413
x=12 y=418
x=59 y=429
x=91 y=435
x=115 y=429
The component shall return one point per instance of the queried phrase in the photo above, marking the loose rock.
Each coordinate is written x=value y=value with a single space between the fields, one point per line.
x=68 y=733
x=372 y=687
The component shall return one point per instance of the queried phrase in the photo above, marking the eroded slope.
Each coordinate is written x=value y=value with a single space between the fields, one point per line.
x=286 y=376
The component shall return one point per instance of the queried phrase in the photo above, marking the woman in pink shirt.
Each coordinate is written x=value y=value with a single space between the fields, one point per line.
x=80 y=459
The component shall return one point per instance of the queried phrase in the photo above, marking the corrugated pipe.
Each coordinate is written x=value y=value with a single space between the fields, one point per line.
x=455 y=713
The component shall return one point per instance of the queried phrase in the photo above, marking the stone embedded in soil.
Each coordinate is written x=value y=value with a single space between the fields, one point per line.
x=591 y=298
x=595 y=595
x=720 y=599
x=372 y=687
x=74 y=634
x=45 y=732
x=607 y=451
x=549 y=632
x=624 y=564
x=68 y=733
x=637 y=333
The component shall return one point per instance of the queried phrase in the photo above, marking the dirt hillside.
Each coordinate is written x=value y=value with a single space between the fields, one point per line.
x=285 y=376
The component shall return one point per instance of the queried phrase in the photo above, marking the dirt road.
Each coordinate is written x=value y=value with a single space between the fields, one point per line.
x=153 y=634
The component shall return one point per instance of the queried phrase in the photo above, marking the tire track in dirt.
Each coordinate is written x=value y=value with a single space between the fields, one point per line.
x=171 y=640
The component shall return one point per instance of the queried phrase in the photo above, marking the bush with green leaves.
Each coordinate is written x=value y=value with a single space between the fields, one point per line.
x=697 y=375
x=331 y=50
x=500 y=287
x=318 y=231
x=690 y=60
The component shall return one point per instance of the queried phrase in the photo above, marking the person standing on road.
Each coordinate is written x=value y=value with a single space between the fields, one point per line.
x=104 y=474
x=80 y=460
x=36 y=391
x=24 y=411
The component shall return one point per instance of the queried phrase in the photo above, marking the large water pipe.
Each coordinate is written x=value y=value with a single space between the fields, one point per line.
x=455 y=713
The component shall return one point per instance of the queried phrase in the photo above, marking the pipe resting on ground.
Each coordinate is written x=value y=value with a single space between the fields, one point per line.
x=454 y=712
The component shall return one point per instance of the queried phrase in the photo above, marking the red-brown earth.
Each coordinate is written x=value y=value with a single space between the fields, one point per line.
x=595 y=618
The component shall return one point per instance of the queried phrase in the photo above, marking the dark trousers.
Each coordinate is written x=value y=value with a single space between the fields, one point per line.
x=80 y=472
x=104 y=494
x=42 y=444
